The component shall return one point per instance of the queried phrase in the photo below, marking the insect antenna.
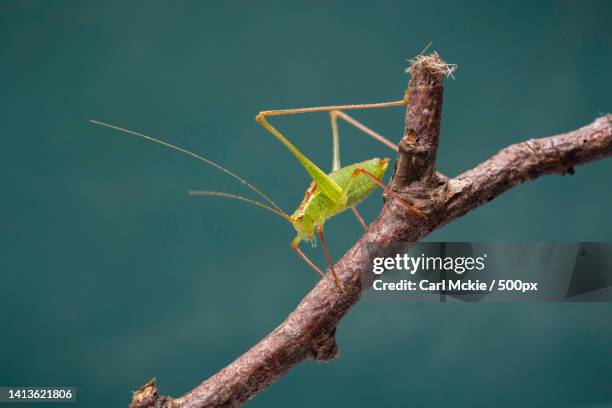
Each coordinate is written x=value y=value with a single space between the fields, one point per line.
x=241 y=198
x=277 y=209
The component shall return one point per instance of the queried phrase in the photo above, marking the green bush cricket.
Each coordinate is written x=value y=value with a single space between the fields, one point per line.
x=329 y=193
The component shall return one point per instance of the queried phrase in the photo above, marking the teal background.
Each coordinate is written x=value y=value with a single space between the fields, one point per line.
x=111 y=274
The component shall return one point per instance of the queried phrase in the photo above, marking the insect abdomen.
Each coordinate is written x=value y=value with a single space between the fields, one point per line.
x=362 y=186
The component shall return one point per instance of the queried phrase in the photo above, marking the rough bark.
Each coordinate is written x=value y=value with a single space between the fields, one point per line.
x=309 y=331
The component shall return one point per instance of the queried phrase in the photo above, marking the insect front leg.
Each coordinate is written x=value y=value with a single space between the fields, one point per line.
x=295 y=245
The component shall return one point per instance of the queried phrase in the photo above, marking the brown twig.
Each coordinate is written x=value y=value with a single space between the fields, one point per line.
x=309 y=331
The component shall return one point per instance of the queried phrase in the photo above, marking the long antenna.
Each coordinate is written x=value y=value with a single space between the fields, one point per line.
x=241 y=198
x=196 y=156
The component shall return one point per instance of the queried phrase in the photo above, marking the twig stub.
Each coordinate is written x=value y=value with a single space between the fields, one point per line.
x=415 y=172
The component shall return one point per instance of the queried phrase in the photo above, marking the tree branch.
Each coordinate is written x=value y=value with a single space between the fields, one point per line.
x=309 y=331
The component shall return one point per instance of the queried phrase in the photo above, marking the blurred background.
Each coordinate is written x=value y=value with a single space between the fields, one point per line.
x=111 y=274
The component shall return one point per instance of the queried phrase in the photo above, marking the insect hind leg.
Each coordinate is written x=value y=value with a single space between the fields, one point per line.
x=335 y=114
x=387 y=190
